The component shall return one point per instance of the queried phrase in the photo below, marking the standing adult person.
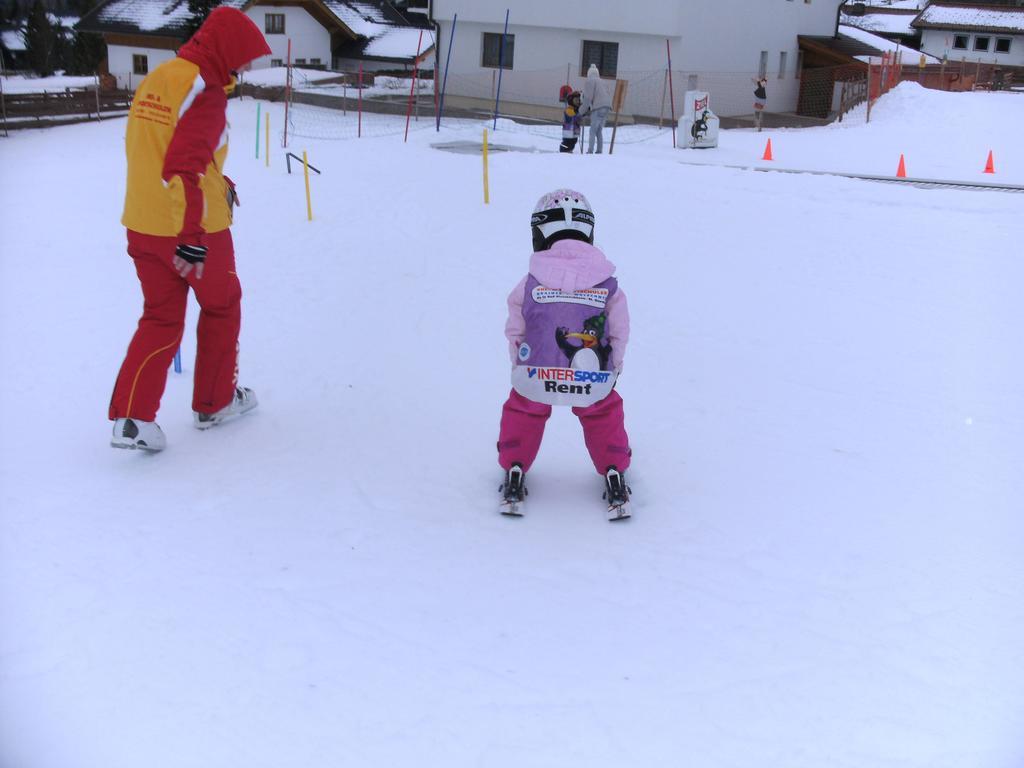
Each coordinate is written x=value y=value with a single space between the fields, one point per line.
x=597 y=103
x=760 y=98
x=178 y=211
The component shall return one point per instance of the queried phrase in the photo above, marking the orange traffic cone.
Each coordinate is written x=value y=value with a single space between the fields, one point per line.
x=768 y=151
x=901 y=172
x=990 y=166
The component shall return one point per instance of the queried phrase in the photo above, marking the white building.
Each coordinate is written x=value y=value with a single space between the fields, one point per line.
x=326 y=34
x=716 y=45
x=992 y=34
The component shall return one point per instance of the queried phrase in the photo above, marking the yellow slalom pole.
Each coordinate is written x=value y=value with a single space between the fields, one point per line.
x=266 y=144
x=487 y=194
x=309 y=202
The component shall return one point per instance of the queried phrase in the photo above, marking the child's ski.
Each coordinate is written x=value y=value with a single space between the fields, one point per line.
x=513 y=491
x=616 y=493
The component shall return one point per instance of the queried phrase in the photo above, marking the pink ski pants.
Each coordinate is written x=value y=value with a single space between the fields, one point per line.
x=604 y=431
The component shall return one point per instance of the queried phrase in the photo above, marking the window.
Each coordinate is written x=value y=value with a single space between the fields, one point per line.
x=277 y=62
x=762 y=67
x=315 y=61
x=300 y=61
x=1002 y=45
x=140 y=64
x=782 y=64
x=494 y=56
x=798 y=70
x=960 y=42
x=274 y=23
x=981 y=43
x=604 y=55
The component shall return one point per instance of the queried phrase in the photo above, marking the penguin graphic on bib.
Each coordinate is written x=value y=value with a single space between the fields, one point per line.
x=593 y=352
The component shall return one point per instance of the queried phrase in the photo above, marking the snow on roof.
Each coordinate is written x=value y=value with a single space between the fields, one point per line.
x=399 y=42
x=882 y=43
x=956 y=16
x=67 y=22
x=364 y=19
x=914 y=5
x=386 y=37
x=13 y=40
x=148 y=15
x=882 y=23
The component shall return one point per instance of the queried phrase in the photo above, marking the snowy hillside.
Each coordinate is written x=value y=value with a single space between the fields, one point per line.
x=823 y=394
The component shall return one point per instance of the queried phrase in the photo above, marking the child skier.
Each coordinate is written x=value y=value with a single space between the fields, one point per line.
x=568 y=325
x=571 y=122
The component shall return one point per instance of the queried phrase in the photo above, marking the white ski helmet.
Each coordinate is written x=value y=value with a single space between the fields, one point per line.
x=559 y=215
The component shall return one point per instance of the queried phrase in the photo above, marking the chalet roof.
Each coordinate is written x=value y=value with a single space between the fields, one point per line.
x=384 y=34
x=840 y=47
x=375 y=25
x=882 y=21
x=881 y=44
x=161 y=18
x=895 y=5
x=398 y=44
x=971 y=17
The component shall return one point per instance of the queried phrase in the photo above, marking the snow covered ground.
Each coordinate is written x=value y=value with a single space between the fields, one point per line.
x=54 y=84
x=823 y=394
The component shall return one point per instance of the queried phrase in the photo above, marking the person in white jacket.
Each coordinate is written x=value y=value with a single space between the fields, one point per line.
x=596 y=103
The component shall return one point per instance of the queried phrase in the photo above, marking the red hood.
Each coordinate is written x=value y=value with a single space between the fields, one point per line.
x=227 y=40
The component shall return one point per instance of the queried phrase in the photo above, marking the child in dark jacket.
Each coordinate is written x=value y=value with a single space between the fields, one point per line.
x=571 y=122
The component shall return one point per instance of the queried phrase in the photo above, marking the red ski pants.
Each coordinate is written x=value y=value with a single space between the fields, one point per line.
x=604 y=432
x=143 y=376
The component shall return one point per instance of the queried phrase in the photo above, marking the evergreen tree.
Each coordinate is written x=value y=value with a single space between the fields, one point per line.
x=12 y=13
x=86 y=49
x=198 y=11
x=40 y=41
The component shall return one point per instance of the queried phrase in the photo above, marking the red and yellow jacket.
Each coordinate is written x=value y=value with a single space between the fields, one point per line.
x=176 y=140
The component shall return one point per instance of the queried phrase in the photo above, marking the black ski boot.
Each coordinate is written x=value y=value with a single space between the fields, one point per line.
x=616 y=493
x=513 y=492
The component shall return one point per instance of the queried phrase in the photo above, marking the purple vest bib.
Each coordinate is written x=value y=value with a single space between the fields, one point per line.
x=564 y=358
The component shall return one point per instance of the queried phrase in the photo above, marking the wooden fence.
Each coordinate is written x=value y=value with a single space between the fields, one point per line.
x=35 y=110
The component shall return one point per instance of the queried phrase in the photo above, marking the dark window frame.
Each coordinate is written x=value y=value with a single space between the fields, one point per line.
x=140 y=64
x=964 y=39
x=1008 y=44
x=272 y=22
x=603 y=53
x=491 y=50
x=977 y=42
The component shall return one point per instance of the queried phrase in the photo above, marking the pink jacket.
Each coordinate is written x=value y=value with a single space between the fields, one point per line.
x=570 y=265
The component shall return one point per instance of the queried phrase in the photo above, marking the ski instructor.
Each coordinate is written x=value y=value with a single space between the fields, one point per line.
x=178 y=208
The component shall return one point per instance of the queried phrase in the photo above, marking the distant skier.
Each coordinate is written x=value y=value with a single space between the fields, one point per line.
x=178 y=211
x=596 y=104
x=568 y=325
x=570 y=122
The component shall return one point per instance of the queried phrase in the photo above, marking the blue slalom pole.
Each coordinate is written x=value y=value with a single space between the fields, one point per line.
x=501 y=66
x=177 y=360
x=447 y=59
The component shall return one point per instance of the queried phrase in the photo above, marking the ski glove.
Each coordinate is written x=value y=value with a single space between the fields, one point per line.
x=193 y=254
x=188 y=258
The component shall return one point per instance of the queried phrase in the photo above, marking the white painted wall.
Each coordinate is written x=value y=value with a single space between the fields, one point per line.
x=717 y=41
x=310 y=40
x=120 y=62
x=939 y=42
